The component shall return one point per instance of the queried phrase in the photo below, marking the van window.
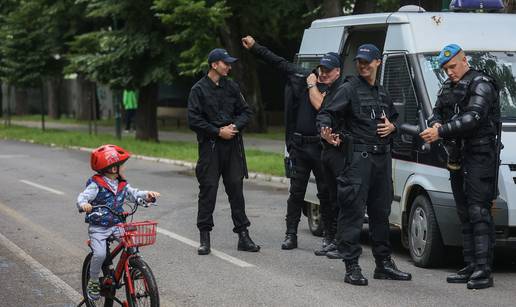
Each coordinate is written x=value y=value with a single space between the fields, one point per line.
x=398 y=83
x=357 y=36
x=307 y=63
x=499 y=65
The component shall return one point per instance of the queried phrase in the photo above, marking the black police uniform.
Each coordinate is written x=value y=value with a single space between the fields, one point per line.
x=470 y=114
x=303 y=145
x=332 y=156
x=211 y=106
x=365 y=182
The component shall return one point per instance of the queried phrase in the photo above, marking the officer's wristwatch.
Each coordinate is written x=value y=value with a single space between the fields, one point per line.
x=309 y=86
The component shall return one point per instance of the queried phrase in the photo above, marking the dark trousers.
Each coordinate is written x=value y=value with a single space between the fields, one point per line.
x=333 y=164
x=129 y=118
x=473 y=191
x=220 y=158
x=365 y=183
x=304 y=164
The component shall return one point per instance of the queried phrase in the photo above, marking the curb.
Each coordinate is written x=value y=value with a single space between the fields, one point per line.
x=189 y=165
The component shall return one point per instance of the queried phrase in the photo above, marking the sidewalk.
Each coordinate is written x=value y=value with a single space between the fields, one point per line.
x=273 y=146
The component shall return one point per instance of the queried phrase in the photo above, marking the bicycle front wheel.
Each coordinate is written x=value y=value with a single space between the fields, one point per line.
x=145 y=289
x=105 y=299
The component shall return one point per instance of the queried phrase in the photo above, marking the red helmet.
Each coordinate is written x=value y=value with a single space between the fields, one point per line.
x=108 y=155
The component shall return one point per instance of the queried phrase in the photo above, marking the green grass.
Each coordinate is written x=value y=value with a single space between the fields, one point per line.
x=63 y=120
x=273 y=133
x=257 y=161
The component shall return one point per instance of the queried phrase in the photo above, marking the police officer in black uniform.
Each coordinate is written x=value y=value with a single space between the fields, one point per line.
x=363 y=111
x=302 y=102
x=218 y=112
x=467 y=111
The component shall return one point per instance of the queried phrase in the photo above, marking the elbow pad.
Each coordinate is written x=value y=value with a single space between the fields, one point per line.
x=465 y=123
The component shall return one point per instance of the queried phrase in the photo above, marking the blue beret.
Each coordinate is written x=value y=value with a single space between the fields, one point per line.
x=448 y=53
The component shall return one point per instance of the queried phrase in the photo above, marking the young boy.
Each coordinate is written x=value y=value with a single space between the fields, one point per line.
x=108 y=187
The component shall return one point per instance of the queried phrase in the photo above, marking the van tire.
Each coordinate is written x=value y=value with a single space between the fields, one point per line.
x=315 y=223
x=425 y=242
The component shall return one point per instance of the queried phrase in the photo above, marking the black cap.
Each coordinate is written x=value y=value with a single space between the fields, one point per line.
x=330 y=60
x=219 y=54
x=368 y=52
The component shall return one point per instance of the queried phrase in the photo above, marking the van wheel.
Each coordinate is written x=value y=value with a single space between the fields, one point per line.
x=425 y=243
x=314 y=219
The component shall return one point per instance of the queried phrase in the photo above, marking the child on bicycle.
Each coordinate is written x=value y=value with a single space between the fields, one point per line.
x=109 y=188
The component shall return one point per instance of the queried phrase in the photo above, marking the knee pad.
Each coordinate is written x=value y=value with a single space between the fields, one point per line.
x=478 y=214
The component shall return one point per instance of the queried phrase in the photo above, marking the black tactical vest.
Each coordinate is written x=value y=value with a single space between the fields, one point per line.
x=367 y=108
x=456 y=97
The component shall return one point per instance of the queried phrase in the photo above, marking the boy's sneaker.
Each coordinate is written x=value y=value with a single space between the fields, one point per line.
x=93 y=290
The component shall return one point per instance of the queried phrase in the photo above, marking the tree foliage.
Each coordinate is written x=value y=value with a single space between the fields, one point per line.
x=28 y=49
x=127 y=49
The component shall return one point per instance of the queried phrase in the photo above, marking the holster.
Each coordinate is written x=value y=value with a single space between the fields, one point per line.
x=290 y=167
x=242 y=154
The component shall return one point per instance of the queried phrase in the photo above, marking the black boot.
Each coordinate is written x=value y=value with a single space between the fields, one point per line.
x=386 y=269
x=290 y=241
x=328 y=245
x=335 y=254
x=245 y=243
x=481 y=278
x=354 y=274
x=462 y=276
x=204 y=248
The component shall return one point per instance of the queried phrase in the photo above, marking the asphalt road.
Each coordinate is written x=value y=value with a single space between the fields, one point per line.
x=42 y=245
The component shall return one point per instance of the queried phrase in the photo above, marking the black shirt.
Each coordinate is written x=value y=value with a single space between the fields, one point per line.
x=306 y=113
x=355 y=107
x=211 y=106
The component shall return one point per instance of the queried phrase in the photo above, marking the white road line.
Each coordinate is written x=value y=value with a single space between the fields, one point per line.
x=70 y=292
x=39 y=186
x=12 y=156
x=214 y=252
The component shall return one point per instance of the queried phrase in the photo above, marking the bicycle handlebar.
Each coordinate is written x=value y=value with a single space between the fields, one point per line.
x=140 y=201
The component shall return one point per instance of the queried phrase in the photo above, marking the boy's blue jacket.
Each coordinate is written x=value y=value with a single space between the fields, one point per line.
x=102 y=216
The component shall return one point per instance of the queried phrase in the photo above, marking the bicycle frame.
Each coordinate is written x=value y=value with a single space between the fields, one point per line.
x=123 y=264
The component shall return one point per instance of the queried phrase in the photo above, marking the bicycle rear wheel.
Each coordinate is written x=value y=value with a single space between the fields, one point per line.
x=144 y=284
x=103 y=301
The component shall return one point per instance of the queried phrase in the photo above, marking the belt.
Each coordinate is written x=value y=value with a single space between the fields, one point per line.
x=300 y=139
x=374 y=149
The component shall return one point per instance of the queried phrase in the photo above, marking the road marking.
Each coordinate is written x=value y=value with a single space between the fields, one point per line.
x=214 y=252
x=70 y=292
x=39 y=186
x=12 y=156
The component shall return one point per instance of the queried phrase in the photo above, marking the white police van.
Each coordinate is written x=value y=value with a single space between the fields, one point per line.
x=423 y=206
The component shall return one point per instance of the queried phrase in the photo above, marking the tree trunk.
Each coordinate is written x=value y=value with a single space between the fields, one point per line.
x=146 y=126
x=53 y=86
x=331 y=8
x=246 y=73
x=83 y=106
x=21 y=102
x=86 y=94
